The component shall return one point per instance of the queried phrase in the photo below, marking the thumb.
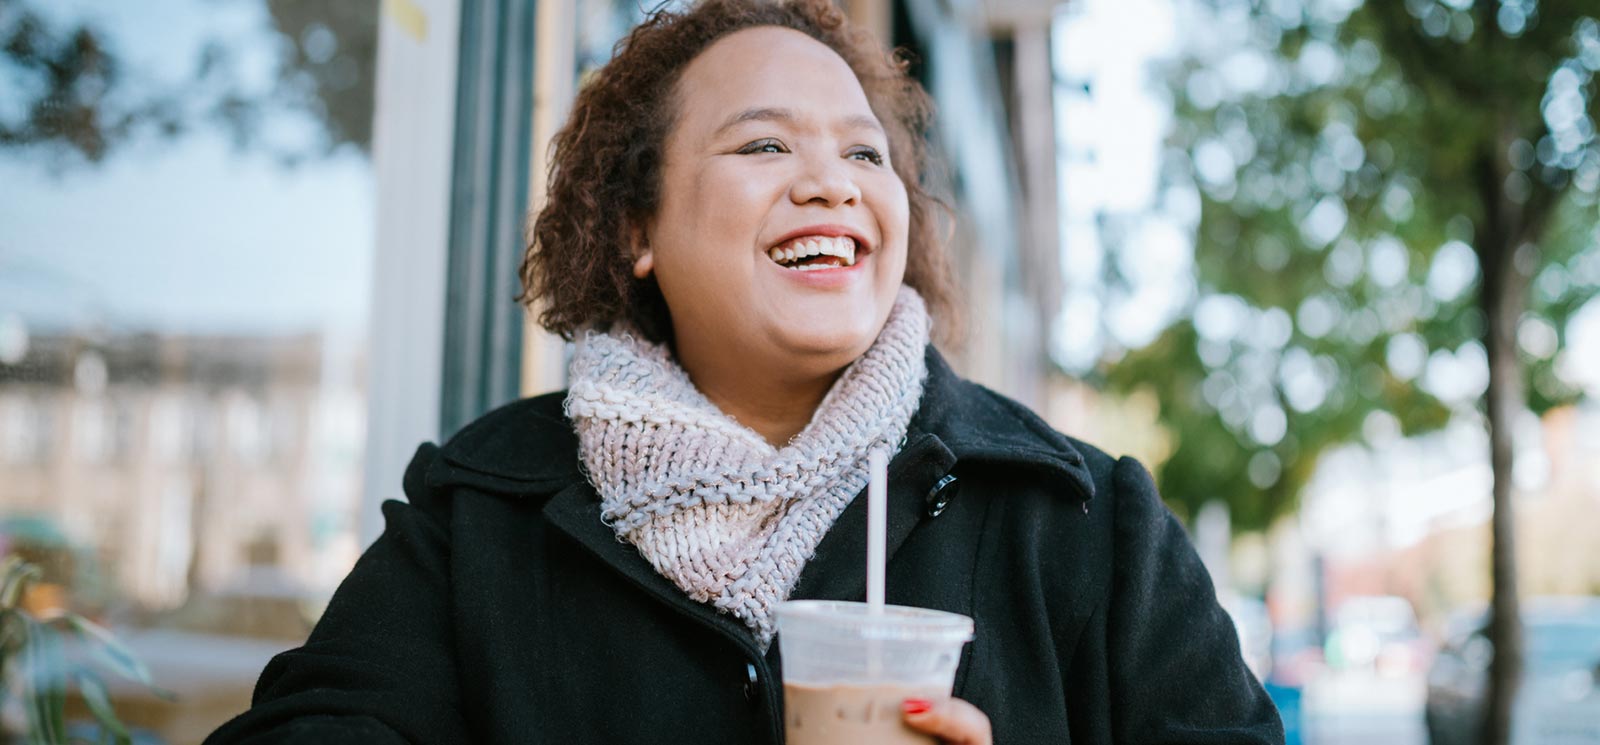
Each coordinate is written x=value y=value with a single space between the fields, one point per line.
x=954 y=721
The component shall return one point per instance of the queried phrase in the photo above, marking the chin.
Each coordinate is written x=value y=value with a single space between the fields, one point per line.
x=833 y=346
x=823 y=332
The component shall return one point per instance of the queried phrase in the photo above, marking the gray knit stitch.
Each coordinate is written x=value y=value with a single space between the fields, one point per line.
x=713 y=506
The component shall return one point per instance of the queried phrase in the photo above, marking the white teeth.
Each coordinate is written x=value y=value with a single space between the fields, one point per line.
x=842 y=247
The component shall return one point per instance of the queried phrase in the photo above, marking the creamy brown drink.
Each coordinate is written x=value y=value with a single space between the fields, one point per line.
x=849 y=667
x=853 y=714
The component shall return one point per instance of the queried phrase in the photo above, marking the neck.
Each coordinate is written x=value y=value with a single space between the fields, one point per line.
x=777 y=406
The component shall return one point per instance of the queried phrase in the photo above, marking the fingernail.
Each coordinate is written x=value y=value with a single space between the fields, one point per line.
x=916 y=705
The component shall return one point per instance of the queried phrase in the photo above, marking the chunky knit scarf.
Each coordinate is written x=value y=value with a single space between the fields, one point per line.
x=711 y=504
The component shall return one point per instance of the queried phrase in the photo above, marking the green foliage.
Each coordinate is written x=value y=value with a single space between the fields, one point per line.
x=75 y=92
x=34 y=662
x=1358 y=168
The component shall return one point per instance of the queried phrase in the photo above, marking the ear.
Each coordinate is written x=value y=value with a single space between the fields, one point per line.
x=644 y=265
x=644 y=260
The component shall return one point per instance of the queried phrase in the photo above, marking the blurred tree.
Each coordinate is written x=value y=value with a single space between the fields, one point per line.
x=71 y=91
x=1396 y=218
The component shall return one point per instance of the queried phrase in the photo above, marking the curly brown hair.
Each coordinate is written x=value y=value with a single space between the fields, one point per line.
x=605 y=166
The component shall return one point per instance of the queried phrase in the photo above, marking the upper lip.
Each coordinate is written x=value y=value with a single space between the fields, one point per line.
x=829 y=231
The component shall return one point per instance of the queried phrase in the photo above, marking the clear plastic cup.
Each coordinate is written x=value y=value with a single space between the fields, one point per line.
x=846 y=670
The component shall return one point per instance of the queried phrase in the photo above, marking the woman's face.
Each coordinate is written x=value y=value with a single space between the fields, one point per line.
x=781 y=232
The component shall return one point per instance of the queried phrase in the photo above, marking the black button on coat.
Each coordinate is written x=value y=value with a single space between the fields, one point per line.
x=496 y=608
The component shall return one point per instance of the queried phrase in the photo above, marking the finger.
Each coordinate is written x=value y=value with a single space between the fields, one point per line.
x=952 y=720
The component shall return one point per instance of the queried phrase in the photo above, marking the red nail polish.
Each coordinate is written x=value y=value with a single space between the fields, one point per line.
x=916 y=705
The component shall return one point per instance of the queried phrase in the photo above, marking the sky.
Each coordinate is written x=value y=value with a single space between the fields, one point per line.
x=1111 y=124
x=1112 y=120
x=188 y=234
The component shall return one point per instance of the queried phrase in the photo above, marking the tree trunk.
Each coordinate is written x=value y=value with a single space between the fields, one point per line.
x=1501 y=297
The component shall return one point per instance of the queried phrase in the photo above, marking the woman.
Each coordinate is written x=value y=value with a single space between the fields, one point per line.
x=737 y=237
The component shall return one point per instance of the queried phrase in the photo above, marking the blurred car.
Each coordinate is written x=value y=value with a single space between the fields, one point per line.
x=1558 y=701
x=1297 y=656
x=1378 y=634
x=1254 y=626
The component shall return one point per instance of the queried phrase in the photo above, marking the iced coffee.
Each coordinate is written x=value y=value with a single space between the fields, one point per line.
x=847 y=669
x=853 y=714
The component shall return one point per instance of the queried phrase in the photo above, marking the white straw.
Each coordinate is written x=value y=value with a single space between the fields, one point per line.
x=877 y=527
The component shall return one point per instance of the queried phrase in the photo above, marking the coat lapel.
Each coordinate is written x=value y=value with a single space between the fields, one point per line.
x=986 y=429
x=575 y=511
x=838 y=570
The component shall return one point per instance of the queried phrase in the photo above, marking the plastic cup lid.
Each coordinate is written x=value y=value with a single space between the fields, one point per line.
x=894 y=623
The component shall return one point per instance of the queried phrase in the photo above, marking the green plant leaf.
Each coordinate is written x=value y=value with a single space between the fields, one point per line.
x=44 y=685
x=13 y=640
x=15 y=575
x=10 y=563
x=99 y=701
x=35 y=647
x=108 y=650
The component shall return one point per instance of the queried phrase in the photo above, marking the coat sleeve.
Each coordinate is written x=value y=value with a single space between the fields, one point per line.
x=379 y=667
x=1177 y=675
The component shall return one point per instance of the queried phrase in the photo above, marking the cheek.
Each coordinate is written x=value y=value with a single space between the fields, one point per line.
x=721 y=207
x=697 y=217
x=735 y=200
x=893 y=211
x=707 y=226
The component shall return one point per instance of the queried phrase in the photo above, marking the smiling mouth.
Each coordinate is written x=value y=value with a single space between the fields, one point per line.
x=814 y=253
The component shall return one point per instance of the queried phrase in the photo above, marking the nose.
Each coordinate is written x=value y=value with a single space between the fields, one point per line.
x=827 y=182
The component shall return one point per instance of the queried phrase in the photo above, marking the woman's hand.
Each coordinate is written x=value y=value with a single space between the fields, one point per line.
x=953 y=721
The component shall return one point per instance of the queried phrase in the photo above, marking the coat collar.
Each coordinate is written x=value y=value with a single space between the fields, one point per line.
x=528 y=448
x=983 y=427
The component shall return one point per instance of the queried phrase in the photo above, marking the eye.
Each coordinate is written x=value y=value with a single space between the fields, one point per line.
x=866 y=153
x=762 y=146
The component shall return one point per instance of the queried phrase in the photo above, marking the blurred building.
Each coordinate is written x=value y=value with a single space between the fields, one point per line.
x=1417 y=525
x=178 y=462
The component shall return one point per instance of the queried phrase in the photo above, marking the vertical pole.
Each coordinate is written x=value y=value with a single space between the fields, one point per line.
x=412 y=157
x=555 y=62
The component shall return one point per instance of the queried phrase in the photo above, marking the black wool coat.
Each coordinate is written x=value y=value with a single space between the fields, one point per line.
x=497 y=608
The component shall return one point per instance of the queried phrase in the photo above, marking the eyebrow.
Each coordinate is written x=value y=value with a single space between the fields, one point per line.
x=787 y=116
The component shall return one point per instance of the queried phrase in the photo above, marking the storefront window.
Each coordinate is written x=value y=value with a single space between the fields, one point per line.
x=186 y=243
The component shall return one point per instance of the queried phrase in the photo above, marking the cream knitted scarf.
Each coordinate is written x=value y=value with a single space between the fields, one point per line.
x=711 y=504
